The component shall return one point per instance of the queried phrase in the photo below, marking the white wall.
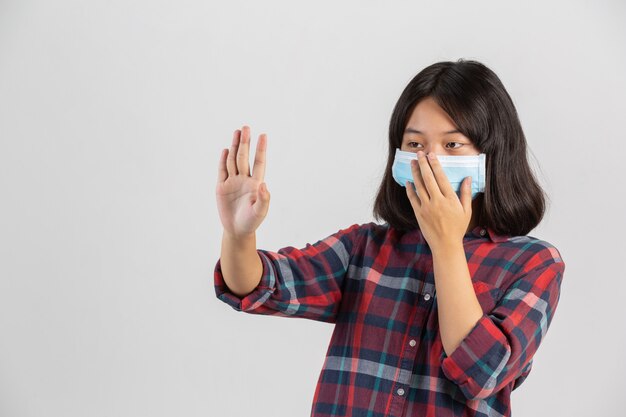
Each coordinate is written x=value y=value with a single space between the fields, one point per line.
x=112 y=118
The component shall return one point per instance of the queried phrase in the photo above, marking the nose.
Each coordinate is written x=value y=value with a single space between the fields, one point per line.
x=437 y=150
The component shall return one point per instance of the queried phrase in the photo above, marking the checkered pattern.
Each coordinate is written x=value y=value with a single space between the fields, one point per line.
x=385 y=358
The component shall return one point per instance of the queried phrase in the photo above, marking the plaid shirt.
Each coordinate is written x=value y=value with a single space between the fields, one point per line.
x=385 y=356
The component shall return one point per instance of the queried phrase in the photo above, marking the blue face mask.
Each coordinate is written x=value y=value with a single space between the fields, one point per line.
x=456 y=168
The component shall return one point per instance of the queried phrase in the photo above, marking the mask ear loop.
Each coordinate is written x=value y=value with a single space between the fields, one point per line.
x=482 y=171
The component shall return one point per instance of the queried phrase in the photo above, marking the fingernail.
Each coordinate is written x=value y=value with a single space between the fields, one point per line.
x=431 y=155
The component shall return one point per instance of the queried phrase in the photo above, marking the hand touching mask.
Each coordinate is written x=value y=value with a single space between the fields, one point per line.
x=456 y=168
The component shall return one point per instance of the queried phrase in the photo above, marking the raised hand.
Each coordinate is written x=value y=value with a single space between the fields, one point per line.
x=242 y=199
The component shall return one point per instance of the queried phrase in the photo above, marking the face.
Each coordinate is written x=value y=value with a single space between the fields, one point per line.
x=430 y=129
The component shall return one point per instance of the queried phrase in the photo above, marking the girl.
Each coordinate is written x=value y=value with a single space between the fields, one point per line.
x=439 y=310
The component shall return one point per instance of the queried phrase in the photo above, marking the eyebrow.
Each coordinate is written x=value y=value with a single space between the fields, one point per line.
x=419 y=132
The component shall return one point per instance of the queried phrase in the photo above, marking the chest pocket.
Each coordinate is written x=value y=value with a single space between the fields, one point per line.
x=488 y=295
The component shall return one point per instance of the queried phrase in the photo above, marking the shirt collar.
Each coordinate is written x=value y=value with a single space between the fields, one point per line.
x=495 y=237
x=481 y=231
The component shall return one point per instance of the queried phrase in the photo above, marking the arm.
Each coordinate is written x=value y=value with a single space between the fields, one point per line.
x=499 y=348
x=458 y=306
x=241 y=266
x=306 y=282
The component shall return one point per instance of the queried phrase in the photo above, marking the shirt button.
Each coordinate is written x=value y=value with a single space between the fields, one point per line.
x=400 y=391
x=412 y=343
x=482 y=232
x=426 y=296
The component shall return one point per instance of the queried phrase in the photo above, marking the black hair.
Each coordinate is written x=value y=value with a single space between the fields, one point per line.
x=476 y=100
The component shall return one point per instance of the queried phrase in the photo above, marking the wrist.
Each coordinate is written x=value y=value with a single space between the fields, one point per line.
x=447 y=247
x=239 y=238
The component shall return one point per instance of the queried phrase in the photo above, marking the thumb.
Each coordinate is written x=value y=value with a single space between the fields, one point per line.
x=263 y=198
x=263 y=192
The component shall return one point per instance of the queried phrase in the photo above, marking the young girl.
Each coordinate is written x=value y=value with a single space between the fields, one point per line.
x=439 y=310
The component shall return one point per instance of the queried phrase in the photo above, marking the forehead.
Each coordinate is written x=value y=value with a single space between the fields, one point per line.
x=428 y=118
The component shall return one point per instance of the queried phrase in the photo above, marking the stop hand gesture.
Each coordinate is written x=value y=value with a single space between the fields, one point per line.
x=242 y=199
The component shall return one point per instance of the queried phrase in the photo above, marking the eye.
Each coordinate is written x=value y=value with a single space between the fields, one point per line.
x=458 y=143
x=411 y=144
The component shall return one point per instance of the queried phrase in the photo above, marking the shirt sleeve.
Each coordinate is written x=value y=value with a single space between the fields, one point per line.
x=305 y=283
x=500 y=347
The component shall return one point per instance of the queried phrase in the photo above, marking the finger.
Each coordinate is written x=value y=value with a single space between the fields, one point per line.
x=413 y=197
x=466 y=194
x=427 y=175
x=420 y=188
x=440 y=176
x=222 y=172
x=231 y=164
x=258 y=171
x=243 y=166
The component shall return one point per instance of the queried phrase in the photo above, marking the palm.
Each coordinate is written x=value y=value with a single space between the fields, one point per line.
x=235 y=201
x=239 y=204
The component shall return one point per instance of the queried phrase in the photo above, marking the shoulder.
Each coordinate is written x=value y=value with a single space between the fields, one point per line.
x=365 y=234
x=533 y=247
x=531 y=262
x=366 y=228
x=376 y=232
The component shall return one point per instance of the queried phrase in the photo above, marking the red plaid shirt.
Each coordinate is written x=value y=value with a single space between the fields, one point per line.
x=385 y=356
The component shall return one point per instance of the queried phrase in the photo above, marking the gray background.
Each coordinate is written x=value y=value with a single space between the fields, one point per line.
x=112 y=118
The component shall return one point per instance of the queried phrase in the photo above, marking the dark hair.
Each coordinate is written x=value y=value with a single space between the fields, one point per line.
x=475 y=99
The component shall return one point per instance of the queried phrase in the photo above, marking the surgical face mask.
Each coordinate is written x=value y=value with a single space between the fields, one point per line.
x=456 y=168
